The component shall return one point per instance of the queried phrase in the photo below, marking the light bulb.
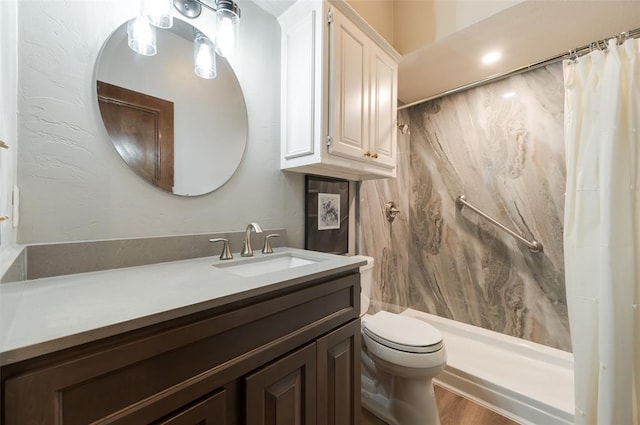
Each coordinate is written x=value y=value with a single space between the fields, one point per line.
x=204 y=57
x=141 y=36
x=225 y=39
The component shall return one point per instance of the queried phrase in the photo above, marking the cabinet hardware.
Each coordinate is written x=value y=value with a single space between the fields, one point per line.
x=367 y=154
x=329 y=16
x=329 y=140
x=4 y=217
x=374 y=156
x=3 y=145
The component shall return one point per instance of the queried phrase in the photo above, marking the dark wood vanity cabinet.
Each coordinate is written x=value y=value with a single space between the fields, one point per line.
x=285 y=357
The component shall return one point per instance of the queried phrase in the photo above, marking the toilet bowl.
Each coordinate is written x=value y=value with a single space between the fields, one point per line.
x=400 y=357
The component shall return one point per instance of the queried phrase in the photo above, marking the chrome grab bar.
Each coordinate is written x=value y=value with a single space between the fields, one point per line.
x=534 y=246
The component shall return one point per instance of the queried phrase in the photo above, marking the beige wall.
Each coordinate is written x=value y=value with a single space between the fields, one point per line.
x=378 y=13
x=411 y=24
x=414 y=24
x=417 y=23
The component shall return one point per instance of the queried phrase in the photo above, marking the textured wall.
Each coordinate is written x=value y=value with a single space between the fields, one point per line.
x=75 y=186
x=506 y=155
x=8 y=130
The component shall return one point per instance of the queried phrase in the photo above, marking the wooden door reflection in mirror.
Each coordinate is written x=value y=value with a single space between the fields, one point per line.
x=141 y=129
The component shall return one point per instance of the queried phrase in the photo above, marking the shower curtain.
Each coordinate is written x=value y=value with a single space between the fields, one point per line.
x=602 y=231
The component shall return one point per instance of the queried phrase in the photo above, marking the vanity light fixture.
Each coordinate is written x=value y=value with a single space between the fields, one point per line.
x=204 y=56
x=141 y=36
x=227 y=20
x=158 y=13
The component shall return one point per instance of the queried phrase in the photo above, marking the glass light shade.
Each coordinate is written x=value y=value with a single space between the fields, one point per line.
x=227 y=22
x=159 y=13
x=141 y=36
x=204 y=57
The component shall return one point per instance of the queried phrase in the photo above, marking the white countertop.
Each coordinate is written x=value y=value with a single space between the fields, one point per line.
x=45 y=315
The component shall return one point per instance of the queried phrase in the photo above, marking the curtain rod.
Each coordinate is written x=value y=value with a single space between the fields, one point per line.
x=573 y=53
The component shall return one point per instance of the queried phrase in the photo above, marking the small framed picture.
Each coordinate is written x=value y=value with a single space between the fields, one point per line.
x=328 y=211
x=327 y=215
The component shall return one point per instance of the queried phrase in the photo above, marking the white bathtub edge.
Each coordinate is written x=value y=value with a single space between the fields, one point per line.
x=517 y=407
x=498 y=401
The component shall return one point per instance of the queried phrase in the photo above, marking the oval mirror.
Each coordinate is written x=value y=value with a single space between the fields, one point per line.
x=182 y=133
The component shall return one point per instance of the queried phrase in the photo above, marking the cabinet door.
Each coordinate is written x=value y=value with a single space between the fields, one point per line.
x=339 y=376
x=284 y=392
x=348 y=88
x=383 y=113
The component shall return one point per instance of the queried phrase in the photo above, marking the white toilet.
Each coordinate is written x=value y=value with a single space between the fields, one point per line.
x=400 y=357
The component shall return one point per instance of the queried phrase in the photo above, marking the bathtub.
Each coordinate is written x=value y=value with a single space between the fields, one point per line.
x=527 y=382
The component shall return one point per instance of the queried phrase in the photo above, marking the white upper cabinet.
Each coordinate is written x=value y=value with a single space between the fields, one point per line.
x=339 y=94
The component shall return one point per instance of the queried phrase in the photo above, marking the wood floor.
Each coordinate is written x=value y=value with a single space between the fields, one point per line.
x=454 y=410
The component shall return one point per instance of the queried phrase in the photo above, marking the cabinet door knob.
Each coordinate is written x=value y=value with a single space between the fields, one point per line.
x=374 y=156
x=367 y=154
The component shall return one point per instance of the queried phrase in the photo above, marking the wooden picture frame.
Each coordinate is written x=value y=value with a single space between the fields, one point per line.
x=326 y=214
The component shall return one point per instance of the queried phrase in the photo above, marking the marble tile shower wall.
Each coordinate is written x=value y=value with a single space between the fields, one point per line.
x=501 y=145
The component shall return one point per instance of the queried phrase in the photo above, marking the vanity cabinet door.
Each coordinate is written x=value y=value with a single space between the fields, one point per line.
x=284 y=392
x=339 y=376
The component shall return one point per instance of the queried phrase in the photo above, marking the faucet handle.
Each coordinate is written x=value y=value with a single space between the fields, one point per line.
x=266 y=249
x=226 y=252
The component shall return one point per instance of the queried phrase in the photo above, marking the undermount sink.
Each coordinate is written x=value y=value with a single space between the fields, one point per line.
x=255 y=266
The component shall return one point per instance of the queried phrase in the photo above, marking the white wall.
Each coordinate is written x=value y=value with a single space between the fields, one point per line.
x=8 y=130
x=75 y=186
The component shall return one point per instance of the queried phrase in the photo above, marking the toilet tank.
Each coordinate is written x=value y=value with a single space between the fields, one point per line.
x=366 y=279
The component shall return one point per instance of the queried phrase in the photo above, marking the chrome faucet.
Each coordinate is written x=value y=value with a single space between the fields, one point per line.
x=247 y=251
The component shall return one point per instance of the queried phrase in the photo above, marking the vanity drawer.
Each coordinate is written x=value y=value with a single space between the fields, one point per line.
x=104 y=382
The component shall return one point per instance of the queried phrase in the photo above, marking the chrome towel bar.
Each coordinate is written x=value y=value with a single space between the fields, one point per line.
x=534 y=246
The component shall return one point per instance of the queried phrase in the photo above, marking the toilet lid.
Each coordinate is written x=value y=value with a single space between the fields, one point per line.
x=402 y=332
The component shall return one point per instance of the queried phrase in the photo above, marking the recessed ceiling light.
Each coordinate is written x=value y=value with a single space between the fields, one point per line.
x=491 y=57
x=508 y=94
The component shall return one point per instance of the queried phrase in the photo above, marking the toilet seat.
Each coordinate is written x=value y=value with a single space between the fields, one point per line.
x=402 y=333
